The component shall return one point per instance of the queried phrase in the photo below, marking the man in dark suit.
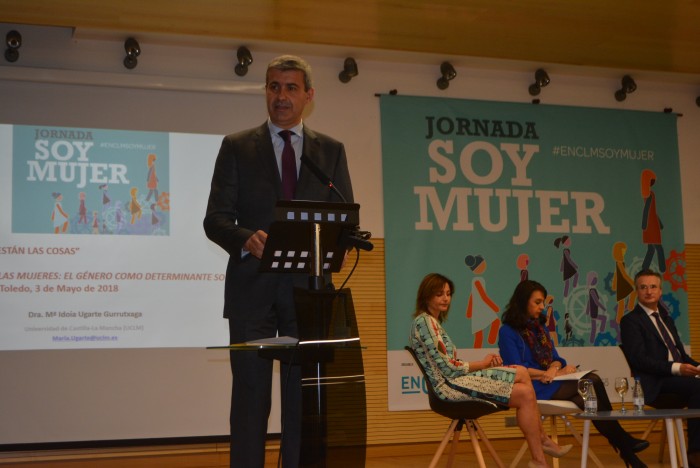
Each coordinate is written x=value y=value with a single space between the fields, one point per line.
x=656 y=355
x=246 y=185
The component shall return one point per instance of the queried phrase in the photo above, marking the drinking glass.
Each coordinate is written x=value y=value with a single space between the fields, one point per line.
x=621 y=387
x=584 y=386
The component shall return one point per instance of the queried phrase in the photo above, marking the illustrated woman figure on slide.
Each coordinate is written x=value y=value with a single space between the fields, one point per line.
x=58 y=215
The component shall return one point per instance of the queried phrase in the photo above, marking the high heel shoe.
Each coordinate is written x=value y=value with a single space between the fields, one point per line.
x=557 y=452
x=631 y=460
x=639 y=444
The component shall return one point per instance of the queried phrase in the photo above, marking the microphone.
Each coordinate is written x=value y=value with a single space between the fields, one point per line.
x=350 y=237
x=325 y=180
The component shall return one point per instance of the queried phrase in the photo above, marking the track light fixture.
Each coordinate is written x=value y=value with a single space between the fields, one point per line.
x=541 y=80
x=13 y=39
x=133 y=50
x=245 y=58
x=628 y=86
x=448 y=73
x=349 y=70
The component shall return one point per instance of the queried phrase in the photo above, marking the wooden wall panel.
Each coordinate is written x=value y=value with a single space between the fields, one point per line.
x=397 y=427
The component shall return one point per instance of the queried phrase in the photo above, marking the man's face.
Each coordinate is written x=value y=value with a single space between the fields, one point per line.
x=286 y=97
x=648 y=291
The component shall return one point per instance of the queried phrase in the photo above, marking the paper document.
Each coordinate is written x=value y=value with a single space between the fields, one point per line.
x=574 y=376
x=277 y=340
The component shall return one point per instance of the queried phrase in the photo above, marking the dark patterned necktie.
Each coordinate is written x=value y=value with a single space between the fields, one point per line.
x=289 y=166
x=667 y=338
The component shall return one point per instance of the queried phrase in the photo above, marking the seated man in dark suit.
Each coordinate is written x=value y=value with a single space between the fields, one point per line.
x=656 y=355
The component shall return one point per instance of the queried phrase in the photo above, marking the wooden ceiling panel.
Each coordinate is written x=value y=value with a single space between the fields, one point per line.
x=626 y=34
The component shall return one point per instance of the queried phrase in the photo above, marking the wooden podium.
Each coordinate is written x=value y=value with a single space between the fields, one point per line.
x=313 y=238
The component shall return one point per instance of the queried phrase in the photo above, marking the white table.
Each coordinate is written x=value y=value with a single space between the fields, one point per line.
x=670 y=416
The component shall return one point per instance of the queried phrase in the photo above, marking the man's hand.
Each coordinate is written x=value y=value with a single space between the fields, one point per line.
x=256 y=244
x=689 y=370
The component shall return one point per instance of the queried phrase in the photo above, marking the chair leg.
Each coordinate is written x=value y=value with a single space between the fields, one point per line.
x=649 y=428
x=475 y=444
x=647 y=431
x=455 y=440
x=444 y=441
x=518 y=456
x=554 y=436
x=487 y=442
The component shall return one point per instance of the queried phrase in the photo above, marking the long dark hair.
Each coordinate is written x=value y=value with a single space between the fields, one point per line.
x=515 y=313
x=432 y=284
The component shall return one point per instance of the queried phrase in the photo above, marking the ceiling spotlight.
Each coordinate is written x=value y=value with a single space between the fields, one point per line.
x=133 y=50
x=448 y=73
x=13 y=39
x=697 y=101
x=628 y=86
x=349 y=70
x=541 y=80
x=245 y=58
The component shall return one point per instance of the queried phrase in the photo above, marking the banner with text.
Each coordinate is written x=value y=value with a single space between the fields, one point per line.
x=488 y=193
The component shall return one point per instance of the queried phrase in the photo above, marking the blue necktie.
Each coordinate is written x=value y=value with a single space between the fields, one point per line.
x=289 y=166
x=667 y=339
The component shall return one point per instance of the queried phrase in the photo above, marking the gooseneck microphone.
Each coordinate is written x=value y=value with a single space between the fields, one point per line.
x=351 y=237
x=325 y=180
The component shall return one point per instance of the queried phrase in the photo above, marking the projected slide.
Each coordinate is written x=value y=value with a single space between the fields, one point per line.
x=101 y=240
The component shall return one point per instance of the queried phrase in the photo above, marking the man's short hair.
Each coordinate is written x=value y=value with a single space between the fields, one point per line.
x=292 y=62
x=647 y=272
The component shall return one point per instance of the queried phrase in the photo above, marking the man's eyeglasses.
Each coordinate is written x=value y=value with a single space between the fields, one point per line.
x=651 y=287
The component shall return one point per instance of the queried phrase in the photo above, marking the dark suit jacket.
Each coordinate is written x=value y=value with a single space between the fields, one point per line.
x=245 y=188
x=646 y=351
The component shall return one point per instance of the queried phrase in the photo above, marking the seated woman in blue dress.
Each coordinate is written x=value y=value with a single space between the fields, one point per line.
x=524 y=340
x=456 y=380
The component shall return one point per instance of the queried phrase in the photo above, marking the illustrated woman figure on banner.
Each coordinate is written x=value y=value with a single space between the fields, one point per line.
x=568 y=268
x=522 y=262
x=594 y=306
x=651 y=223
x=551 y=322
x=622 y=283
x=481 y=310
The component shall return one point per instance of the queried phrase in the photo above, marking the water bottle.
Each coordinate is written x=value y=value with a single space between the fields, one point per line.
x=638 y=395
x=592 y=401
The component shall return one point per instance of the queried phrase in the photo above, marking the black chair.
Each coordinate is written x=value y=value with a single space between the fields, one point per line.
x=461 y=413
x=662 y=401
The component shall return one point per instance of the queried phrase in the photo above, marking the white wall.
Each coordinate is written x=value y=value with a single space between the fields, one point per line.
x=70 y=395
